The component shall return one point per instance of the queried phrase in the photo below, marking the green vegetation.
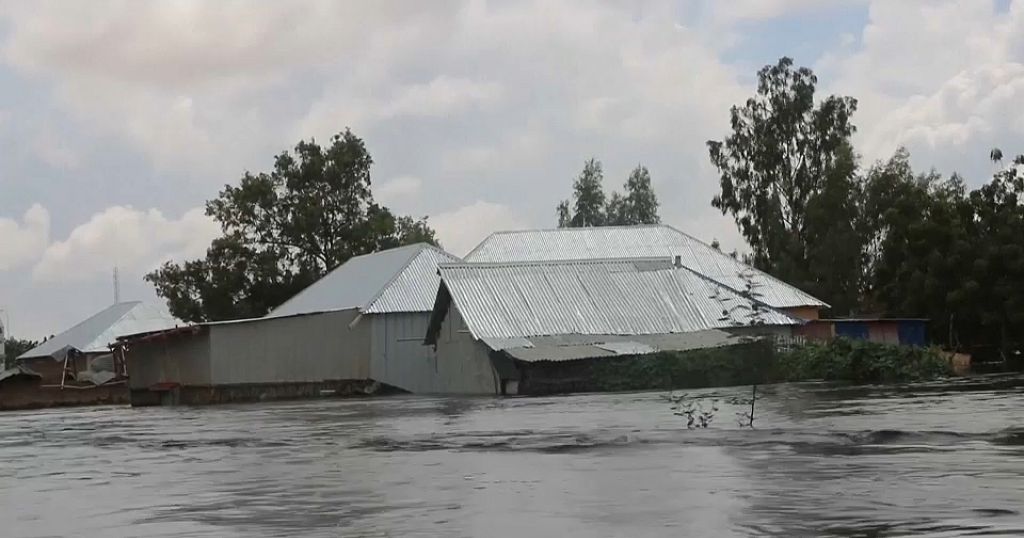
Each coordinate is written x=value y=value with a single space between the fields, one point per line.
x=882 y=240
x=590 y=206
x=859 y=362
x=754 y=363
x=13 y=347
x=283 y=230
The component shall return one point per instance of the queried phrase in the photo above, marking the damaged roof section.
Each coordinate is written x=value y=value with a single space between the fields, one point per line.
x=593 y=307
x=401 y=279
x=95 y=333
x=637 y=241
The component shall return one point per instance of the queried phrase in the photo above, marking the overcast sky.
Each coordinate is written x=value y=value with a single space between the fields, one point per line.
x=118 y=119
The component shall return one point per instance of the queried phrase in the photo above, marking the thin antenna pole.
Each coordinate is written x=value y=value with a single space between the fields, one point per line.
x=117 y=287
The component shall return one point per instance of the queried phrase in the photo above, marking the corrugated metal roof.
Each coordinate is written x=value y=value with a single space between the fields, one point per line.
x=401 y=279
x=96 y=333
x=636 y=242
x=592 y=297
x=415 y=287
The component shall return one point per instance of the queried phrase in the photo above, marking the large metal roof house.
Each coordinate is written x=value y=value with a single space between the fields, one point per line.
x=362 y=323
x=491 y=321
x=644 y=241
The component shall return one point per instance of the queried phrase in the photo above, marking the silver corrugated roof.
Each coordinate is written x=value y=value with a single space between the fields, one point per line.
x=401 y=279
x=94 y=334
x=634 y=242
x=502 y=302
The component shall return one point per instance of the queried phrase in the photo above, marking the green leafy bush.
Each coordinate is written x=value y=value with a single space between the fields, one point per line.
x=858 y=361
x=841 y=360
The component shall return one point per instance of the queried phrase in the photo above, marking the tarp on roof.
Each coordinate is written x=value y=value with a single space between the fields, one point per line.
x=401 y=279
x=637 y=242
x=97 y=332
x=507 y=304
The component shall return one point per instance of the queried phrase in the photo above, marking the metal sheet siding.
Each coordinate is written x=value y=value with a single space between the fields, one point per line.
x=415 y=287
x=617 y=297
x=635 y=242
x=464 y=365
x=184 y=360
x=310 y=348
x=398 y=356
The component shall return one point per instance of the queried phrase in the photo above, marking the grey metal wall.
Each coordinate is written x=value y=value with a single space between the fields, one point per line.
x=183 y=359
x=463 y=364
x=398 y=356
x=307 y=348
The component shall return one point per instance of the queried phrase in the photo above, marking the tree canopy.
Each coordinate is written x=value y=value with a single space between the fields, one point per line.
x=787 y=177
x=590 y=207
x=283 y=230
x=883 y=240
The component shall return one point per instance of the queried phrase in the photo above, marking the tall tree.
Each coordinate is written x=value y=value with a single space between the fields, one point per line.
x=283 y=230
x=639 y=205
x=784 y=151
x=588 y=199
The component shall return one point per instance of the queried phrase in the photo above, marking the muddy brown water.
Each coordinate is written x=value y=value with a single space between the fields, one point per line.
x=941 y=459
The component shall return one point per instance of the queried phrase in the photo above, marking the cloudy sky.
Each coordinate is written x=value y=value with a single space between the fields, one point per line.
x=118 y=119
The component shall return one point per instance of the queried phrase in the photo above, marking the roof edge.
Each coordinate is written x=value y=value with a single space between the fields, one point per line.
x=423 y=247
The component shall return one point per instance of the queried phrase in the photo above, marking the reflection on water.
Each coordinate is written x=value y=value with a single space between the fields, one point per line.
x=943 y=459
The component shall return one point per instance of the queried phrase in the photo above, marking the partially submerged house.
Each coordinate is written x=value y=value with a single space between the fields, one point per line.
x=492 y=323
x=657 y=240
x=82 y=354
x=76 y=367
x=360 y=325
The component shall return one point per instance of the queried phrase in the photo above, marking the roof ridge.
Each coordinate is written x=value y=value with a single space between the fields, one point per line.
x=579 y=228
x=569 y=261
x=401 y=269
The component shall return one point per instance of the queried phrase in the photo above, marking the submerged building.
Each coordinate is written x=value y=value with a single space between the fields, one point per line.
x=82 y=353
x=657 y=240
x=493 y=324
x=358 y=327
x=76 y=367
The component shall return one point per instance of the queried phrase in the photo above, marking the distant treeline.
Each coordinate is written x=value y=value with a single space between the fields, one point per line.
x=870 y=240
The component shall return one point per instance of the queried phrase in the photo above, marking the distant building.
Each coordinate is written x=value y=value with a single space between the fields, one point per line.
x=359 y=326
x=82 y=353
x=76 y=367
x=898 y=331
x=493 y=323
x=657 y=240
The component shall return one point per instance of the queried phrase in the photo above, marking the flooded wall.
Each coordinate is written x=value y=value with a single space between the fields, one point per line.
x=182 y=359
x=463 y=364
x=398 y=356
x=308 y=348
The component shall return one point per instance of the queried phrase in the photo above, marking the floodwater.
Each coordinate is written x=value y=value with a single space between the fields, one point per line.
x=942 y=459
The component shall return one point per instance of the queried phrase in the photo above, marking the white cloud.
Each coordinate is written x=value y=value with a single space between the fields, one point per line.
x=740 y=10
x=133 y=240
x=23 y=242
x=440 y=97
x=941 y=78
x=462 y=229
x=397 y=189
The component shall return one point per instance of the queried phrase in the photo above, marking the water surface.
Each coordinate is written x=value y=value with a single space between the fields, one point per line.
x=943 y=459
